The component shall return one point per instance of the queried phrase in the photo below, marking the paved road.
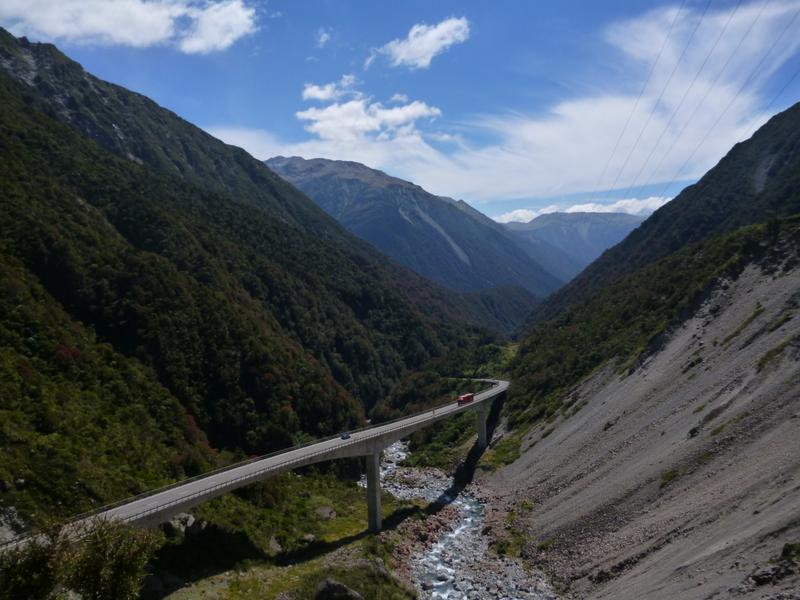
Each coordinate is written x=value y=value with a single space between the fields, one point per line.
x=161 y=505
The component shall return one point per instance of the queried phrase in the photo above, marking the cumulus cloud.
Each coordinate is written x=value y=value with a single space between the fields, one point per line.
x=563 y=150
x=398 y=98
x=423 y=43
x=323 y=37
x=330 y=91
x=352 y=120
x=632 y=206
x=195 y=27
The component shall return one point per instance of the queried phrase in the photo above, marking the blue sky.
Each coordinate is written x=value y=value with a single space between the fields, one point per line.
x=518 y=107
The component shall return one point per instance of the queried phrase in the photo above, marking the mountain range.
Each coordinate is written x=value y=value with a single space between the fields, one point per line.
x=449 y=241
x=566 y=243
x=149 y=264
x=433 y=235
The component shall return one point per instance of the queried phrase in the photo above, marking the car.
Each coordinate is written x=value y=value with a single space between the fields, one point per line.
x=345 y=435
x=465 y=399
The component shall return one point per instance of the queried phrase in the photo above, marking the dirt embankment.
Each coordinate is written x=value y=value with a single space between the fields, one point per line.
x=682 y=478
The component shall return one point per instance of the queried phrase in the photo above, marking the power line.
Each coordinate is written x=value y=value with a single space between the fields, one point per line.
x=710 y=88
x=735 y=97
x=661 y=95
x=638 y=98
x=683 y=99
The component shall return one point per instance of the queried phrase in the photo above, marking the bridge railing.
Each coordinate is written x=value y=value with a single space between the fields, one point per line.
x=251 y=475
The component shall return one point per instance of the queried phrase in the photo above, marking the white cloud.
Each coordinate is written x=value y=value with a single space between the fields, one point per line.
x=217 y=26
x=632 y=206
x=563 y=150
x=423 y=43
x=330 y=91
x=401 y=98
x=352 y=120
x=194 y=26
x=323 y=37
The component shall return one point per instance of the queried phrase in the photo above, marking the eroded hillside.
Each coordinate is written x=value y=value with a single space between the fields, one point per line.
x=680 y=476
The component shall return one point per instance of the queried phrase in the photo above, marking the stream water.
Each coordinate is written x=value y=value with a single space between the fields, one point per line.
x=459 y=564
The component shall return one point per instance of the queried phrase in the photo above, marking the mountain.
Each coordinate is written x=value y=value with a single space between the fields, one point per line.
x=566 y=243
x=758 y=179
x=155 y=323
x=651 y=412
x=433 y=235
x=655 y=424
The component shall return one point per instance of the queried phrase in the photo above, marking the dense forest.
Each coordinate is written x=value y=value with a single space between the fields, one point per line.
x=160 y=320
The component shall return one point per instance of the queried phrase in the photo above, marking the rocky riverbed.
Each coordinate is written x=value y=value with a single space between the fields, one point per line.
x=447 y=555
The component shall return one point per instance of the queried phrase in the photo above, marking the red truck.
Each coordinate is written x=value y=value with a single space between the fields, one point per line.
x=465 y=399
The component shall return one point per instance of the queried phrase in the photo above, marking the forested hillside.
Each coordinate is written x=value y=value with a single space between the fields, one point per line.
x=433 y=235
x=627 y=320
x=130 y=288
x=758 y=179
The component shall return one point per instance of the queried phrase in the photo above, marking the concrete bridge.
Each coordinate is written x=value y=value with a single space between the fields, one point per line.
x=160 y=505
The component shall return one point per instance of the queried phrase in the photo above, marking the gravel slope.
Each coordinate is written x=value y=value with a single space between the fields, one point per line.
x=682 y=478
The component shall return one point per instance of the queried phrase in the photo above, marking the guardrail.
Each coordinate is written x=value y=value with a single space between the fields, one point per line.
x=86 y=516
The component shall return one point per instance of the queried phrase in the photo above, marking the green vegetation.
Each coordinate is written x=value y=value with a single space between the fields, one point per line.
x=151 y=329
x=791 y=552
x=668 y=477
x=724 y=200
x=744 y=325
x=699 y=408
x=775 y=352
x=718 y=429
x=502 y=453
x=108 y=562
x=545 y=545
x=627 y=320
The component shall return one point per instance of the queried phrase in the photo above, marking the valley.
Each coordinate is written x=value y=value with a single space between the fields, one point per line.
x=469 y=367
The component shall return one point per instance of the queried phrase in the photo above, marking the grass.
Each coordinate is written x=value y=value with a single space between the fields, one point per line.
x=505 y=452
x=545 y=545
x=774 y=353
x=718 y=429
x=758 y=310
x=668 y=477
x=699 y=408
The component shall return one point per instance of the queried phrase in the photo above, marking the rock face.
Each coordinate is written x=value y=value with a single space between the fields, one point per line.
x=435 y=236
x=694 y=489
x=330 y=589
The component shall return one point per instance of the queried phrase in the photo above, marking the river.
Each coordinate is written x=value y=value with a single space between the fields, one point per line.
x=457 y=564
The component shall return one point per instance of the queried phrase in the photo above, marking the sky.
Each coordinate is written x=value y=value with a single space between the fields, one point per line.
x=517 y=107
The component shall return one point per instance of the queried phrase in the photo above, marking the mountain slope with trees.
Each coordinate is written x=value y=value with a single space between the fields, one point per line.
x=155 y=320
x=430 y=234
x=758 y=179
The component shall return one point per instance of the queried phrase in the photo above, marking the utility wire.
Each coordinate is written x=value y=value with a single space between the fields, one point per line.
x=638 y=99
x=736 y=96
x=660 y=96
x=710 y=88
x=683 y=99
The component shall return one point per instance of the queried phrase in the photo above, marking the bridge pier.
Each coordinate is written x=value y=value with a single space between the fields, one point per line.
x=374 y=491
x=483 y=438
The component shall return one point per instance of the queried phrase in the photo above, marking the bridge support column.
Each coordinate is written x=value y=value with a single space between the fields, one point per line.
x=483 y=438
x=374 y=491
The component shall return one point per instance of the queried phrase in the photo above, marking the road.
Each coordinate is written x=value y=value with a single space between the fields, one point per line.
x=160 y=505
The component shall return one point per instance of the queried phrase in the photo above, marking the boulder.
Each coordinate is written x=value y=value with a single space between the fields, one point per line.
x=274 y=546
x=178 y=524
x=326 y=513
x=330 y=589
